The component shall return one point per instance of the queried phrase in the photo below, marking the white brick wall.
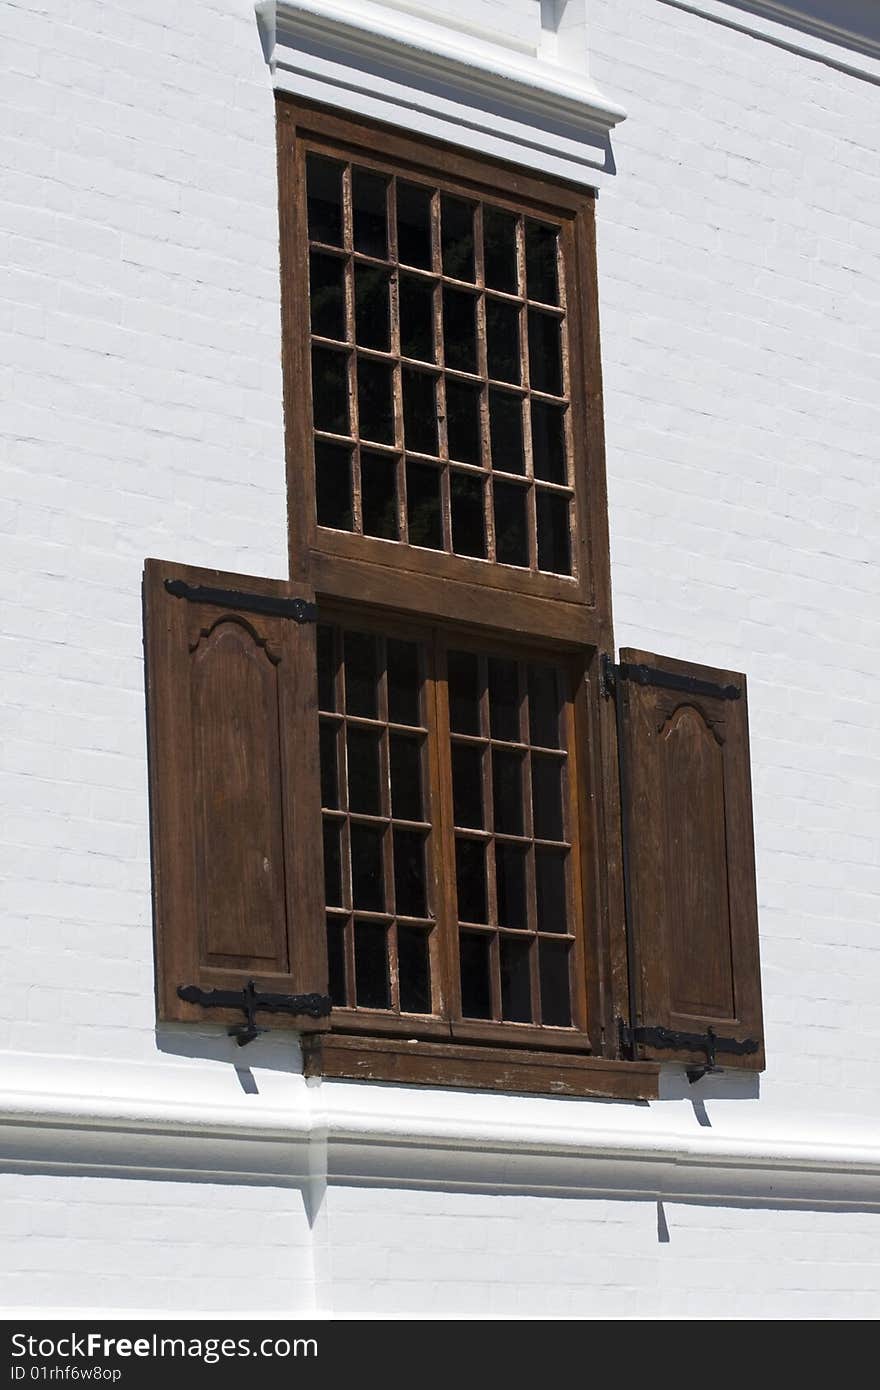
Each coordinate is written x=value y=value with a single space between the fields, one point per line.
x=139 y=364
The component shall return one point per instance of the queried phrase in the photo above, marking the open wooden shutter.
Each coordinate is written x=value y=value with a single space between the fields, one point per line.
x=690 y=862
x=234 y=792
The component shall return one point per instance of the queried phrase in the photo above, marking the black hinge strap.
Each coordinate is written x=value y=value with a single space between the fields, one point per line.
x=640 y=674
x=299 y=609
x=249 y=1000
x=709 y=1042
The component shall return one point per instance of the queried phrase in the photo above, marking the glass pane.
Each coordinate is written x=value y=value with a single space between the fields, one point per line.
x=543 y=706
x=379 y=495
x=330 y=390
x=403 y=682
x=367 y=885
x=511 y=545
x=545 y=353
x=470 y=880
x=555 y=992
x=547 y=797
x=506 y=431
x=507 y=791
x=502 y=340
x=420 y=412
x=327 y=667
x=332 y=864
x=324 y=185
x=360 y=674
x=554 y=532
x=327 y=295
x=336 y=961
x=516 y=983
x=550 y=883
x=333 y=485
x=499 y=249
x=457 y=238
x=548 y=442
x=476 y=997
x=463 y=421
x=542 y=275
x=414 y=225
x=371 y=309
x=415 y=971
x=460 y=330
x=463 y=675
x=363 y=771
x=467 y=786
x=329 y=766
x=423 y=505
x=406 y=778
x=504 y=700
x=369 y=209
x=510 y=883
x=375 y=402
x=409 y=873
x=372 y=985
x=416 y=319
x=468 y=529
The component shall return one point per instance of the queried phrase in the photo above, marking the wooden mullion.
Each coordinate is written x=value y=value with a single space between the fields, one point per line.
x=445 y=951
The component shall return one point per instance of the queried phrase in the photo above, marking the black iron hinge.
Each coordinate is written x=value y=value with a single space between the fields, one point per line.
x=709 y=1042
x=298 y=609
x=249 y=1000
x=640 y=674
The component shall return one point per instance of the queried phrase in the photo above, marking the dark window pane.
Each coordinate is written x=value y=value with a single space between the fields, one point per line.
x=419 y=412
x=542 y=275
x=360 y=674
x=379 y=495
x=504 y=700
x=516 y=984
x=330 y=390
x=468 y=529
x=414 y=225
x=406 y=778
x=457 y=238
x=324 y=184
x=404 y=683
x=415 y=971
x=463 y=421
x=363 y=771
x=507 y=791
x=548 y=442
x=550 y=884
x=333 y=485
x=543 y=706
x=510 y=882
x=332 y=864
x=329 y=766
x=545 y=354
x=460 y=330
x=367 y=885
x=327 y=295
x=336 y=961
x=555 y=992
x=372 y=986
x=375 y=405
x=499 y=249
x=372 y=324
x=502 y=340
x=506 y=432
x=369 y=208
x=547 y=797
x=467 y=786
x=409 y=873
x=554 y=532
x=476 y=998
x=463 y=675
x=470 y=880
x=511 y=546
x=327 y=666
x=423 y=505
x=416 y=319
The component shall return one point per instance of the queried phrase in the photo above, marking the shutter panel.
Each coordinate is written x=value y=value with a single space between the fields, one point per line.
x=234 y=791
x=690 y=859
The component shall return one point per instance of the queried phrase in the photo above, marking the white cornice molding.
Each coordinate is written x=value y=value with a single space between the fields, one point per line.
x=482 y=95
